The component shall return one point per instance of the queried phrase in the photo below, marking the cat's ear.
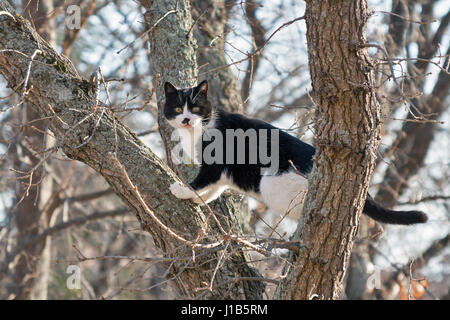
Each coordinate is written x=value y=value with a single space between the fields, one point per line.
x=203 y=88
x=169 y=88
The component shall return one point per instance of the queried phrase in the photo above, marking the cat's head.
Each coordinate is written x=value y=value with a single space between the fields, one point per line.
x=187 y=108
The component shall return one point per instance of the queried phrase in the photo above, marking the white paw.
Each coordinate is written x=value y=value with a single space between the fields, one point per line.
x=181 y=192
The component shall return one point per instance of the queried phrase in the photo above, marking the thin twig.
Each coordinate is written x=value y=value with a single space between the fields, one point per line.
x=151 y=28
x=406 y=19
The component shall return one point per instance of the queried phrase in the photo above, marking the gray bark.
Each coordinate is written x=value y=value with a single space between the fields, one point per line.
x=347 y=123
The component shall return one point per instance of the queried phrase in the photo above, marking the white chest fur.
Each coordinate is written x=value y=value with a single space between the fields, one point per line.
x=189 y=143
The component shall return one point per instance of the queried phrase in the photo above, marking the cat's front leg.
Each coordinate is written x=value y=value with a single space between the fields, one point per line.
x=205 y=185
x=181 y=191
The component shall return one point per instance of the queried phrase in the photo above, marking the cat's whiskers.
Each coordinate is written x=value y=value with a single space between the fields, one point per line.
x=209 y=121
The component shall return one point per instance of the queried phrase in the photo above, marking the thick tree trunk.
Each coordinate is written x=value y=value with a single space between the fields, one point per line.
x=347 y=124
x=59 y=92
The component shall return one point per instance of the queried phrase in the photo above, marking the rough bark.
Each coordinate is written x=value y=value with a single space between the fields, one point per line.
x=55 y=86
x=347 y=124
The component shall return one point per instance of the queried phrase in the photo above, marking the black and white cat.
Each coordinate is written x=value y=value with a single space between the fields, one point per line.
x=199 y=126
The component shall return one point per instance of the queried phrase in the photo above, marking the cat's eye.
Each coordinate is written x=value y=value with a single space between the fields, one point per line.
x=195 y=109
x=178 y=110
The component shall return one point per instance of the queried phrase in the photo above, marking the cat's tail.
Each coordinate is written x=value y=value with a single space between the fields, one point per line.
x=374 y=210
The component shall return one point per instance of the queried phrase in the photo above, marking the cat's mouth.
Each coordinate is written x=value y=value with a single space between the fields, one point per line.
x=187 y=126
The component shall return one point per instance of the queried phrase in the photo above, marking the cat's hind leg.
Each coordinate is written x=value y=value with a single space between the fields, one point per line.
x=285 y=193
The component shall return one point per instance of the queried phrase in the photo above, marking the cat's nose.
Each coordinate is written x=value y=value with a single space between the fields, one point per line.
x=185 y=121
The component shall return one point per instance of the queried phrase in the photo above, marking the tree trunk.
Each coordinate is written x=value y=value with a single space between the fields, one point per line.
x=28 y=215
x=117 y=154
x=347 y=124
